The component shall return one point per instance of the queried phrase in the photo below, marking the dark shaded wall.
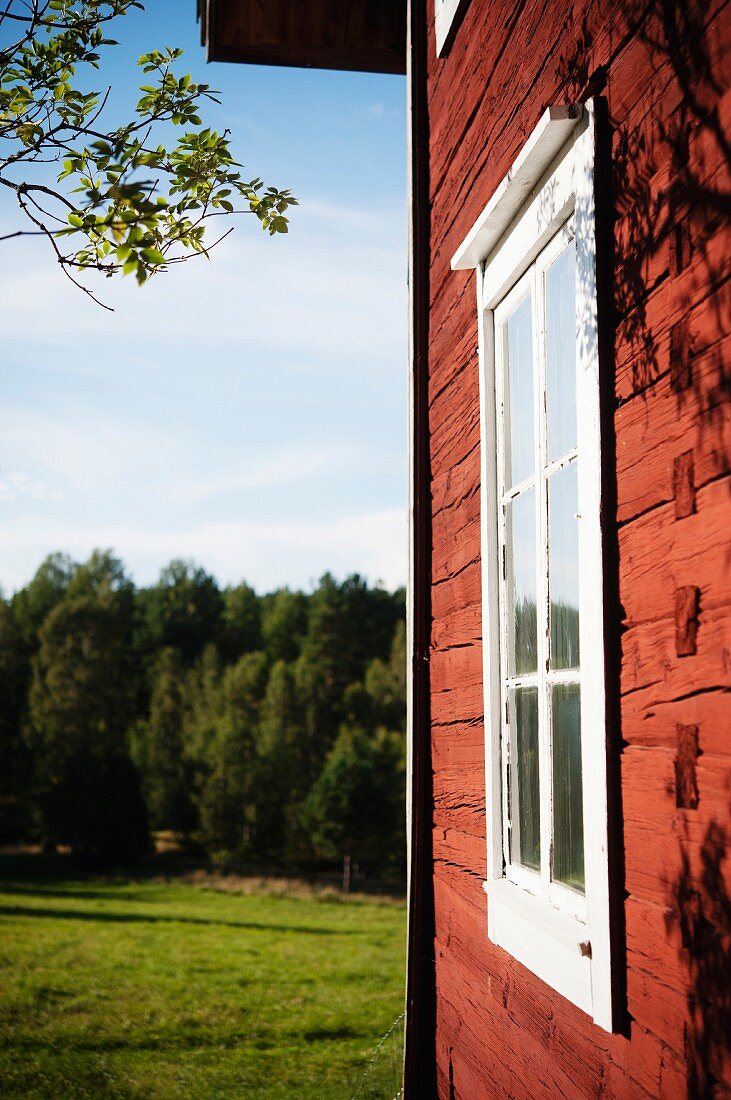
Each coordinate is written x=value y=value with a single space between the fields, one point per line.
x=663 y=69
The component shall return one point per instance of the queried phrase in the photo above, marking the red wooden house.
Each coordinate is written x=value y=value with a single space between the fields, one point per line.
x=570 y=883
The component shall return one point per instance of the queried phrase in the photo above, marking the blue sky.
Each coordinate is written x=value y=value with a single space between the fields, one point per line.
x=249 y=413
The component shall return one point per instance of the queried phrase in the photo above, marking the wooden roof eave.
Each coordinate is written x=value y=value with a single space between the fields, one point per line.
x=358 y=35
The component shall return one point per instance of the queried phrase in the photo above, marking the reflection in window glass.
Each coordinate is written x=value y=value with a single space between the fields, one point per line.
x=561 y=353
x=519 y=432
x=521 y=553
x=563 y=558
x=568 y=823
x=524 y=781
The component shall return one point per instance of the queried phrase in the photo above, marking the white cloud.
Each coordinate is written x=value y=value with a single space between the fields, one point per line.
x=288 y=466
x=17 y=483
x=335 y=287
x=267 y=554
x=80 y=452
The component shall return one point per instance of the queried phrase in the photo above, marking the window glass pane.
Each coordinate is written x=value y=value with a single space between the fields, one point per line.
x=563 y=559
x=519 y=431
x=561 y=353
x=521 y=577
x=525 y=841
x=568 y=824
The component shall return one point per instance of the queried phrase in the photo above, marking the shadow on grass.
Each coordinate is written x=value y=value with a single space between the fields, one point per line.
x=54 y=874
x=181 y=1041
x=143 y=918
x=331 y=1034
x=110 y=1045
x=38 y=890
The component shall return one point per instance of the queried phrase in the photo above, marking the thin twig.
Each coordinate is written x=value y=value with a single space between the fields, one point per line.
x=63 y=261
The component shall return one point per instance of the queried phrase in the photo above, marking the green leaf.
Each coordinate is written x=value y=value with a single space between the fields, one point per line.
x=153 y=256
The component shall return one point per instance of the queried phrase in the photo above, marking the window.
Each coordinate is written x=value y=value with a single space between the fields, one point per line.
x=533 y=249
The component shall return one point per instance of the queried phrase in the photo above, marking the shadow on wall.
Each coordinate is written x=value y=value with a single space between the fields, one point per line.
x=671 y=181
x=700 y=907
x=672 y=310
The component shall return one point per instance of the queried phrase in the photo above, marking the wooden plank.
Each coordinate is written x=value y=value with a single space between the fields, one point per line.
x=649 y=658
x=651 y=715
x=456 y=602
x=457 y=684
x=659 y=556
x=646 y=477
x=665 y=844
x=464 y=850
x=644 y=352
x=457 y=485
x=366 y=35
x=457 y=437
x=454 y=553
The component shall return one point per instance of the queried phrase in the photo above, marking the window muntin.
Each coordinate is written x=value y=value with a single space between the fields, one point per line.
x=535 y=392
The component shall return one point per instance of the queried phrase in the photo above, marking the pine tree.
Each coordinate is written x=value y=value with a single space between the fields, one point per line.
x=80 y=707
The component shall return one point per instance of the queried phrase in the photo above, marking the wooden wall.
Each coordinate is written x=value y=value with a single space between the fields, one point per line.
x=664 y=69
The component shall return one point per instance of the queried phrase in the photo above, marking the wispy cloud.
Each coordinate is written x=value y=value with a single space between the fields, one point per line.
x=82 y=452
x=287 y=466
x=16 y=484
x=335 y=285
x=373 y=544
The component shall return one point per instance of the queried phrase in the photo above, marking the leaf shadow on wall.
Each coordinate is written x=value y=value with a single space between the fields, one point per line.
x=700 y=910
x=670 y=173
x=670 y=303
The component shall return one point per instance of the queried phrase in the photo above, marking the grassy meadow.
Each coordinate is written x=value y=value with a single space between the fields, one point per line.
x=175 y=989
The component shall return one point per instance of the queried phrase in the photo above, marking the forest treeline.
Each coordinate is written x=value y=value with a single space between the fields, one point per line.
x=265 y=729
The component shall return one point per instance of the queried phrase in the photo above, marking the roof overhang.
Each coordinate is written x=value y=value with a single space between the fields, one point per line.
x=362 y=35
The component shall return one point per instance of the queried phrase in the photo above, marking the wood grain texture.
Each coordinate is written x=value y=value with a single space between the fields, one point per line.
x=684 y=485
x=686 y=620
x=664 y=70
x=324 y=34
x=686 y=783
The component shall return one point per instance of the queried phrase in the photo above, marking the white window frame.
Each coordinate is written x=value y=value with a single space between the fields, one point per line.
x=561 y=937
x=445 y=13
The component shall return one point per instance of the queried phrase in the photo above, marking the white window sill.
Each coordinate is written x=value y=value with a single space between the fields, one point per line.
x=552 y=945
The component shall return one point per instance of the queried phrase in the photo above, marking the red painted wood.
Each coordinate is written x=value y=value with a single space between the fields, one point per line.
x=686 y=620
x=684 y=485
x=646 y=480
x=686 y=782
x=500 y=1031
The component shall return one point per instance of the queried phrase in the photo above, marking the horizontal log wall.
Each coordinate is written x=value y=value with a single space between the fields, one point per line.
x=664 y=69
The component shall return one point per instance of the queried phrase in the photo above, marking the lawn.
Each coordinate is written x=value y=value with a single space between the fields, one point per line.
x=155 y=989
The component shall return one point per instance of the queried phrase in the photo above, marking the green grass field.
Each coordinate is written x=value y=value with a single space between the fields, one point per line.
x=144 y=989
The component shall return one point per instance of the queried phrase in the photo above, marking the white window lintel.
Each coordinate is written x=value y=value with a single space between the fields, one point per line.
x=445 y=12
x=554 y=129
